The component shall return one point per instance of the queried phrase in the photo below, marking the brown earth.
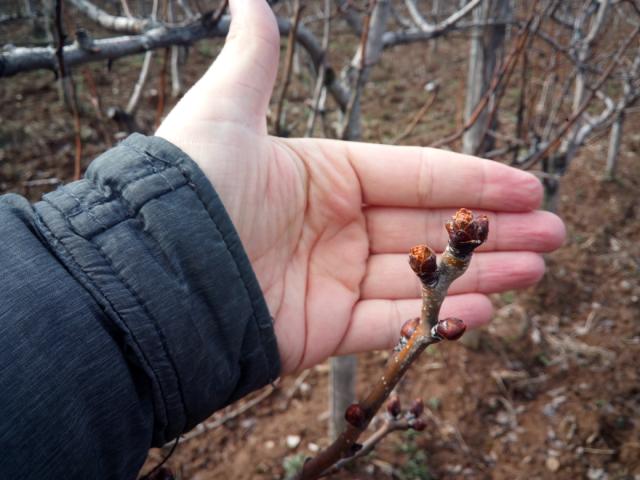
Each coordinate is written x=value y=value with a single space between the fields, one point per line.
x=553 y=389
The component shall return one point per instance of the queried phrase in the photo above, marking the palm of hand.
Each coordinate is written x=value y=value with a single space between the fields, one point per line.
x=333 y=271
x=297 y=208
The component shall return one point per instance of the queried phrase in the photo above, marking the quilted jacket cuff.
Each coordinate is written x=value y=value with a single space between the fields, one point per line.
x=147 y=235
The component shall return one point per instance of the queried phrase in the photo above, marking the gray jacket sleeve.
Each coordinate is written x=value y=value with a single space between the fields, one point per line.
x=129 y=312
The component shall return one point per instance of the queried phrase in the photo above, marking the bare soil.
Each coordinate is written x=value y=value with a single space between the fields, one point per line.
x=553 y=389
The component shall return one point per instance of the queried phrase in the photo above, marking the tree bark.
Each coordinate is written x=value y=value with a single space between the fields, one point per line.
x=485 y=54
x=343 y=369
x=615 y=137
x=366 y=57
x=342 y=391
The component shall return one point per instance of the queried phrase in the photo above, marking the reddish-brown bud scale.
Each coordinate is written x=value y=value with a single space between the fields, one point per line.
x=417 y=407
x=466 y=233
x=423 y=262
x=409 y=327
x=393 y=406
x=355 y=415
x=450 y=328
x=482 y=227
x=419 y=424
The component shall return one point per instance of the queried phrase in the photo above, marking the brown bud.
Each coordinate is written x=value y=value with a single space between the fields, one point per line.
x=465 y=232
x=355 y=415
x=482 y=228
x=450 y=328
x=418 y=424
x=417 y=407
x=423 y=262
x=409 y=327
x=393 y=406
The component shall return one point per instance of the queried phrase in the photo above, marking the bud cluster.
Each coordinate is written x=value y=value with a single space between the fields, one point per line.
x=394 y=409
x=466 y=233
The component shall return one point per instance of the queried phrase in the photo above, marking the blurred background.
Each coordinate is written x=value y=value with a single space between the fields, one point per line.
x=551 y=388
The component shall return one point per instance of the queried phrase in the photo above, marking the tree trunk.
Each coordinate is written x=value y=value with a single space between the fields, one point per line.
x=613 y=152
x=435 y=15
x=485 y=54
x=342 y=391
x=585 y=33
x=360 y=68
x=342 y=384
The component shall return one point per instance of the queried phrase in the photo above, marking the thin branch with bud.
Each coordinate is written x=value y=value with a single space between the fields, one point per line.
x=466 y=233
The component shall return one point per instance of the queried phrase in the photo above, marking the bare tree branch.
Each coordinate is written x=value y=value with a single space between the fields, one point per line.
x=350 y=128
x=14 y=17
x=144 y=71
x=427 y=27
x=291 y=45
x=434 y=88
x=613 y=151
x=322 y=70
x=186 y=9
x=14 y=60
x=405 y=37
x=501 y=76
x=176 y=85
x=352 y=18
x=112 y=22
x=68 y=87
x=389 y=426
x=553 y=144
x=125 y=7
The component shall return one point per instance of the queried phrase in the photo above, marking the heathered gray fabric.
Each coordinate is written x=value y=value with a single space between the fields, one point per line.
x=129 y=312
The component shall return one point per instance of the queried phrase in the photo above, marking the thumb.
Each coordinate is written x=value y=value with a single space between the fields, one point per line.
x=238 y=85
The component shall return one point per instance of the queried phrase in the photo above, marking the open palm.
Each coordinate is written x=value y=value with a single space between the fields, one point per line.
x=327 y=224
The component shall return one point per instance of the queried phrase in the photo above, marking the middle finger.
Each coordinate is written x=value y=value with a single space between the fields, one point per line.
x=396 y=230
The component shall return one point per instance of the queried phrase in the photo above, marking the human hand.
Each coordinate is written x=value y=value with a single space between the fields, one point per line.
x=327 y=224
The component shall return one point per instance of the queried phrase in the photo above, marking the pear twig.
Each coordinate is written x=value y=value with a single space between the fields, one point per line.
x=466 y=233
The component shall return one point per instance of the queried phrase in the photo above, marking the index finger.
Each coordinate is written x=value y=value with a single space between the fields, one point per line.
x=429 y=177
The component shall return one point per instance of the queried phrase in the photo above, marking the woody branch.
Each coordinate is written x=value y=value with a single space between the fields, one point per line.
x=465 y=234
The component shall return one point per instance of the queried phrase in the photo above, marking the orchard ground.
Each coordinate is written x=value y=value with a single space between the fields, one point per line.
x=552 y=389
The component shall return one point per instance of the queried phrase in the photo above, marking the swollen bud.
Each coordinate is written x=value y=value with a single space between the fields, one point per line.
x=418 y=424
x=417 y=407
x=409 y=327
x=393 y=406
x=465 y=232
x=449 y=328
x=355 y=415
x=423 y=262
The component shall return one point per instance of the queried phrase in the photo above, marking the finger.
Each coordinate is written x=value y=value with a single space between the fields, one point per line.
x=395 y=230
x=389 y=276
x=428 y=177
x=238 y=85
x=375 y=324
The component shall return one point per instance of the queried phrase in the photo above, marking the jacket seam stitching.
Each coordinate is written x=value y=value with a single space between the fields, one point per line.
x=186 y=174
x=131 y=215
x=130 y=183
x=140 y=301
x=88 y=278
